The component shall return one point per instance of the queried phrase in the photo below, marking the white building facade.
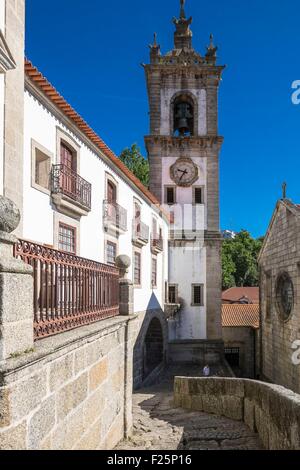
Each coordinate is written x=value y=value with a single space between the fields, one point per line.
x=76 y=199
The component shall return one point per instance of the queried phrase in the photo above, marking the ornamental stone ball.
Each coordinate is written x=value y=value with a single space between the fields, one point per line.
x=9 y=215
x=123 y=262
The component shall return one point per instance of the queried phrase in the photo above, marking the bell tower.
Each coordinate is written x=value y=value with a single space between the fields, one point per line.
x=183 y=148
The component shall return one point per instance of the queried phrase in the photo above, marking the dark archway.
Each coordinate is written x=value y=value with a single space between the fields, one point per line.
x=153 y=348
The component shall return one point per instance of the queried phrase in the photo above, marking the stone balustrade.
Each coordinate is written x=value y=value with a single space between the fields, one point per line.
x=270 y=410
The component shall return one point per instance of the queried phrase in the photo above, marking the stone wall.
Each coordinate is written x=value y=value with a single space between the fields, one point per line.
x=74 y=391
x=270 y=410
x=281 y=253
x=246 y=339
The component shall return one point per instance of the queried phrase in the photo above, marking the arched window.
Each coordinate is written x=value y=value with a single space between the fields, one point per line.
x=68 y=157
x=111 y=192
x=183 y=112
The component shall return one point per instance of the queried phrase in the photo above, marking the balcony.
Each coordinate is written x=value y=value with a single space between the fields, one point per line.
x=157 y=244
x=140 y=233
x=70 y=193
x=114 y=217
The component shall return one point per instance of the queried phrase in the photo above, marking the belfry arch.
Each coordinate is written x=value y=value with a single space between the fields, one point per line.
x=184 y=105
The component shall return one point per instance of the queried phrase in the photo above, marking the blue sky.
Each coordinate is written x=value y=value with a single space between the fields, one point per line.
x=92 y=50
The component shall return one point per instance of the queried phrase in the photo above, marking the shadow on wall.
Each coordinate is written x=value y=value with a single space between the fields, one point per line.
x=150 y=349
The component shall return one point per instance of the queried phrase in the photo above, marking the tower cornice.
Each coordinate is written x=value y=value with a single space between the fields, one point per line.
x=184 y=144
x=202 y=72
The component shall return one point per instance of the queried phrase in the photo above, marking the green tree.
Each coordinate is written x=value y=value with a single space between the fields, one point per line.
x=136 y=163
x=239 y=261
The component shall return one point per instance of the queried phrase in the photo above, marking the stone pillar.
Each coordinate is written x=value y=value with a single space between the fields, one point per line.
x=16 y=289
x=123 y=262
x=14 y=106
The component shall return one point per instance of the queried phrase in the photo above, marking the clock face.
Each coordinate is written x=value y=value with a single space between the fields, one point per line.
x=184 y=172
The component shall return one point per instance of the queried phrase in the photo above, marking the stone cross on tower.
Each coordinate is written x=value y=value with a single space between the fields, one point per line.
x=182 y=12
x=284 y=187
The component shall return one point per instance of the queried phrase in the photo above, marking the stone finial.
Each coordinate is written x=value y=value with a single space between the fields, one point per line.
x=123 y=262
x=211 y=49
x=183 y=34
x=155 y=50
x=9 y=215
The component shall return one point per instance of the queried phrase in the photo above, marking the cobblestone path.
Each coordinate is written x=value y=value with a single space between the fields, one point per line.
x=160 y=426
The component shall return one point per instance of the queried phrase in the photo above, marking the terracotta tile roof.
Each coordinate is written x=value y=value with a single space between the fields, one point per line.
x=51 y=93
x=240 y=315
x=237 y=293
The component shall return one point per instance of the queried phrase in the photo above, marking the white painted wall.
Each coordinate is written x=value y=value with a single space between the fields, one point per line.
x=41 y=125
x=2 y=15
x=2 y=85
x=188 y=266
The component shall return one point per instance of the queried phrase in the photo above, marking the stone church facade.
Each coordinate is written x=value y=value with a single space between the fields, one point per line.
x=183 y=148
x=279 y=264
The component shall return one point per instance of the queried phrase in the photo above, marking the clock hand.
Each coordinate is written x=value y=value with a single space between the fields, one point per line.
x=183 y=173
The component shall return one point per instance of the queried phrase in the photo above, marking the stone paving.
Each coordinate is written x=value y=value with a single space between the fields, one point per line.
x=160 y=426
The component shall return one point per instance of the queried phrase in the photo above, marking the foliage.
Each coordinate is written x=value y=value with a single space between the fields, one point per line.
x=136 y=163
x=239 y=261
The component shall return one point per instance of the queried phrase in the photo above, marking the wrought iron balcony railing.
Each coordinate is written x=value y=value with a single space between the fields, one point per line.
x=114 y=215
x=157 y=244
x=140 y=232
x=68 y=291
x=68 y=183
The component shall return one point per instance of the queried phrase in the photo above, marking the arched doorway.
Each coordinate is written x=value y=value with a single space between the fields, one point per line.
x=153 y=348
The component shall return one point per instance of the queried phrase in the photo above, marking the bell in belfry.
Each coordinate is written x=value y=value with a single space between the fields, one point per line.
x=183 y=119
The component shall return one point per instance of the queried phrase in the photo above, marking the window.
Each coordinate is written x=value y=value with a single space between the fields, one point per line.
x=111 y=253
x=154 y=228
x=68 y=150
x=67 y=156
x=111 y=192
x=42 y=169
x=41 y=160
x=285 y=296
x=232 y=356
x=137 y=269
x=67 y=238
x=137 y=218
x=197 y=295
x=173 y=294
x=170 y=195
x=154 y=272
x=198 y=195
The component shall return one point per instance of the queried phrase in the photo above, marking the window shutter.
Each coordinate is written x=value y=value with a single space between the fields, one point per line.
x=170 y=196
x=198 y=196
